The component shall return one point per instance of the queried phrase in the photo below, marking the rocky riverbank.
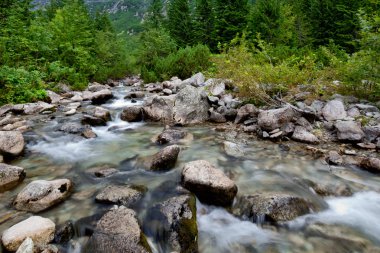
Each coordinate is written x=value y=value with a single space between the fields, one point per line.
x=341 y=131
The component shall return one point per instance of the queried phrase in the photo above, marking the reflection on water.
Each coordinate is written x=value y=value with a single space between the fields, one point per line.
x=264 y=167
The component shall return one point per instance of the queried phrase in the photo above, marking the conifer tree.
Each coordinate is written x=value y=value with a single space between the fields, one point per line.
x=231 y=19
x=154 y=16
x=204 y=22
x=179 y=23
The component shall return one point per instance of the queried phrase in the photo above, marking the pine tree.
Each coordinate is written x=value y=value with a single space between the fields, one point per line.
x=154 y=15
x=179 y=23
x=231 y=19
x=204 y=22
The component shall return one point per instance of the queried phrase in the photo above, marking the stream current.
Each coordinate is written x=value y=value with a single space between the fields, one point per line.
x=264 y=167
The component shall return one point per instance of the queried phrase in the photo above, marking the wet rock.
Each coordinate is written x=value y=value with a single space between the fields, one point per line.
x=132 y=114
x=210 y=184
x=276 y=118
x=302 y=135
x=102 y=171
x=94 y=87
x=40 y=230
x=171 y=136
x=271 y=207
x=39 y=107
x=70 y=112
x=10 y=176
x=245 y=112
x=191 y=106
x=160 y=109
x=334 y=158
x=88 y=133
x=370 y=164
x=39 y=195
x=97 y=117
x=372 y=132
x=349 y=131
x=346 y=236
x=331 y=189
x=233 y=149
x=173 y=222
x=54 y=97
x=27 y=246
x=119 y=195
x=64 y=233
x=334 y=110
x=165 y=159
x=217 y=117
x=101 y=96
x=118 y=231
x=135 y=94
x=11 y=143
x=72 y=128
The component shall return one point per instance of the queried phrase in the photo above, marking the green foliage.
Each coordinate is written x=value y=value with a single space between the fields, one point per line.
x=204 y=22
x=155 y=17
x=180 y=24
x=20 y=86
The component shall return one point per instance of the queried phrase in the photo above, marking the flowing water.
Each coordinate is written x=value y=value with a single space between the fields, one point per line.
x=265 y=167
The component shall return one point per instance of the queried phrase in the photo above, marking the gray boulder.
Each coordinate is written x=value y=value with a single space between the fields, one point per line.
x=73 y=128
x=119 y=195
x=94 y=87
x=171 y=136
x=34 y=108
x=372 y=132
x=176 y=224
x=245 y=112
x=302 y=135
x=54 y=97
x=10 y=176
x=101 y=96
x=370 y=164
x=39 y=195
x=271 y=207
x=272 y=119
x=159 y=109
x=210 y=184
x=196 y=80
x=40 y=230
x=97 y=117
x=27 y=246
x=191 y=106
x=217 y=117
x=334 y=110
x=11 y=143
x=349 y=131
x=118 y=231
x=132 y=114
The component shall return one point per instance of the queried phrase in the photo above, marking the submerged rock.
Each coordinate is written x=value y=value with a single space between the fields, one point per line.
x=10 y=176
x=210 y=184
x=349 y=131
x=118 y=231
x=119 y=195
x=276 y=118
x=173 y=222
x=40 y=230
x=191 y=106
x=171 y=136
x=11 y=143
x=41 y=194
x=334 y=110
x=233 y=149
x=64 y=232
x=271 y=207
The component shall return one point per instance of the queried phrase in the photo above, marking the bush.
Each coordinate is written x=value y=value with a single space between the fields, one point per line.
x=18 y=85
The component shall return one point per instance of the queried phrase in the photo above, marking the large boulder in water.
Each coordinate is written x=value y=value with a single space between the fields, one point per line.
x=11 y=143
x=99 y=116
x=39 y=195
x=173 y=222
x=132 y=114
x=40 y=230
x=349 y=131
x=118 y=231
x=272 y=119
x=334 y=110
x=271 y=207
x=210 y=184
x=191 y=106
x=165 y=159
x=10 y=176
x=99 y=97
x=171 y=135
x=159 y=109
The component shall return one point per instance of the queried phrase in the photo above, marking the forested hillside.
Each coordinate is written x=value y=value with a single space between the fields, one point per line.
x=267 y=47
